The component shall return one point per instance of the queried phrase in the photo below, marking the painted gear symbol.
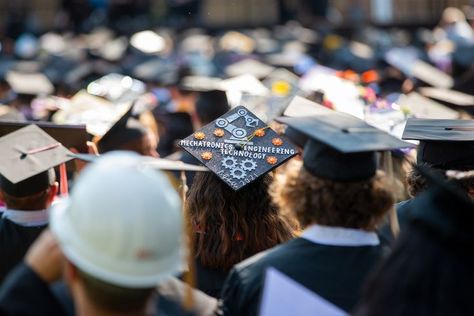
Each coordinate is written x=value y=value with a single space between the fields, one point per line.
x=248 y=165
x=229 y=162
x=238 y=173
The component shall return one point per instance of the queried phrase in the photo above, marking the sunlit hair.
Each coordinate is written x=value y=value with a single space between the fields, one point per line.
x=233 y=225
x=358 y=204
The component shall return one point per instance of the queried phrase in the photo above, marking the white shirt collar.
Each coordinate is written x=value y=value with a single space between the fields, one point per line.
x=340 y=236
x=27 y=218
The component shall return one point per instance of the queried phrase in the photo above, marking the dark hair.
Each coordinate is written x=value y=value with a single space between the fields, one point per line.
x=422 y=276
x=417 y=182
x=37 y=201
x=112 y=298
x=357 y=204
x=233 y=225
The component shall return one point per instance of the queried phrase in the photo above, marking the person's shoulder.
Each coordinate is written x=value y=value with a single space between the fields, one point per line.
x=264 y=259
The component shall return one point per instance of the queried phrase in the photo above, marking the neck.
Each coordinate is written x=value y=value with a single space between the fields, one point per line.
x=84 y=307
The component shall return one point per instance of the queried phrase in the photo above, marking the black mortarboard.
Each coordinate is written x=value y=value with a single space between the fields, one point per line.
x=210 y=105
x=128 y=128
x=238 y=147
x=341 y=147
x=28 y=156
x=70 y=136
x=300 y=107
x=444 y=211
x=444 y=144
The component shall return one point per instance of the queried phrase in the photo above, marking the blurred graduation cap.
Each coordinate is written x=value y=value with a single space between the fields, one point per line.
x=96 y=113
x=444 y=144
x=29 y=83
x=419 y=106
x=28 y=156
x=245 y=84
x=249 y=66
x=283 y=86
x=117 y=88
x=407 y=60
x=127 y=129
x=238 y=147
x=112 y=50
x=341 y=147
x=452 y=98
x=445 y=212
x=8 y=113
x=70 y=136
x=300 y=106
x=148 y=42
x=153 y=163
x=237 y=42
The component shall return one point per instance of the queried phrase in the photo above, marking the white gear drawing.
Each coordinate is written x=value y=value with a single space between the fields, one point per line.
x=229 y=162
x=248 y=164
x=238 y=173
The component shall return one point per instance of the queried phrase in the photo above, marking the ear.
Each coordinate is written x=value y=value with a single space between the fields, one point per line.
x=53 y=190
x=70 y=273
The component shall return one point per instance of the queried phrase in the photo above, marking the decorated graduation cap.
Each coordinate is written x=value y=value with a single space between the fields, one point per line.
x=238 y=147
x=341 y=147
x=445 y=212
x=127 y=129
x=28 y=156
x=444 y=144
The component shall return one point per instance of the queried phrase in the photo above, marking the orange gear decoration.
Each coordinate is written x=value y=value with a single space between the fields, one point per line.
x=207 y=155
x=199 y=135
x=277 y=141
x=260 y=132
x=272 y=160
x=219 y=132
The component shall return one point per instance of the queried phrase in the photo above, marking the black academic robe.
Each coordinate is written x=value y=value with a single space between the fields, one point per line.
x=24 y=294
x=336 y=273
x=210 y=281
x=14 y=242
x=403 y=213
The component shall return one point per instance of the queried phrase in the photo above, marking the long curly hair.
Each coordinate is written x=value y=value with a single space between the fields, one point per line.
x=358 y=204
x=233 y=225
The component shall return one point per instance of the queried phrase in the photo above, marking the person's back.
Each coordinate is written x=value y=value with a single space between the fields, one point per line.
x=27 y=187
x=429 y=271
x=339 y=198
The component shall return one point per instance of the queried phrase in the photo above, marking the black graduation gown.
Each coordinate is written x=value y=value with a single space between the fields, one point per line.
x=336 y=273
x=25 y=294
x=403 y=214
x=14 y=242
x=210 y=281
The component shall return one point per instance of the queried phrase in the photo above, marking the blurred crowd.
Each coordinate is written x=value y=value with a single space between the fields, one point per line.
x=180 y=170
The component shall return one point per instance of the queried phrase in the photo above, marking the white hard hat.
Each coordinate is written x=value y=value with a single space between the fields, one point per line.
x=122 y=224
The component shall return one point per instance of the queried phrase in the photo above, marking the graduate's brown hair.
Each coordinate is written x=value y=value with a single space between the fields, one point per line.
x=357 y=204
x=233 y=225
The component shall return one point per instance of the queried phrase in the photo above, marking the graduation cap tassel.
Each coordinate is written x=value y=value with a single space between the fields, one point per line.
x=63 y=184
x=393 y=218
x=190 y=276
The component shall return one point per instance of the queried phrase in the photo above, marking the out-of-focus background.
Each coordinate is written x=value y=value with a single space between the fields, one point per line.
x=126 y=16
